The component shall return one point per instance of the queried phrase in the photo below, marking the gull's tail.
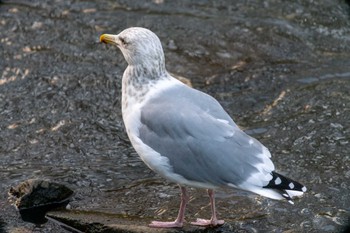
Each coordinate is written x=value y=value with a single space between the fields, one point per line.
x=286 y=187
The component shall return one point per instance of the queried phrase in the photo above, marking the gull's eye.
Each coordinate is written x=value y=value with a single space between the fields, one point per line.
x=123 y=41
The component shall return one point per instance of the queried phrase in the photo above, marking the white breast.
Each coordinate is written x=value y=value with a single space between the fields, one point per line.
x=131 y=109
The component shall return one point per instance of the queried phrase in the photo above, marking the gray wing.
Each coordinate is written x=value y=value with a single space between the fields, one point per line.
x=199 y=138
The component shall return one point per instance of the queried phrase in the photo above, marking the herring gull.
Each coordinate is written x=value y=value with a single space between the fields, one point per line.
x=185 y=135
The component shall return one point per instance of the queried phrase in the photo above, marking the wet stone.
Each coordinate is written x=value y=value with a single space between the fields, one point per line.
x=336 y=125
x=323 y=224
x=34 y=198
x=171 y=45
x=255 y=131
x=308 y=80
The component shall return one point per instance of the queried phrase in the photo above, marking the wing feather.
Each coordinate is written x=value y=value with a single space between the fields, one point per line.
x=200 y=140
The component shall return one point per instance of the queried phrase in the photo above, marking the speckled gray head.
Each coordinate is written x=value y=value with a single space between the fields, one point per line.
x=139 y=46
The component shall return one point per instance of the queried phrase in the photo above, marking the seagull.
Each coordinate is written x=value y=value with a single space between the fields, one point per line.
x=185 y=135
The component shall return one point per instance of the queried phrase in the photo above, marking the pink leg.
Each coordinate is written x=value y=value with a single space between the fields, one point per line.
x=213 y=221
x=180 y=217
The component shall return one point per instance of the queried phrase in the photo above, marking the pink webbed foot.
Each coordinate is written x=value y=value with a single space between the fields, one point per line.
x=179 y=222
x=213 y=221
x=158 y=224
x=208 y=222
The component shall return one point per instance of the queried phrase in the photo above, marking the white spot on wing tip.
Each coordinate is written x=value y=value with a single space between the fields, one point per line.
x=291 y=185
x=278 y=181
x=303 y=189
x=291 y=202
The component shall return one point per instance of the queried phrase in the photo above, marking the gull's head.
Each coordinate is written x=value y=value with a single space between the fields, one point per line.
x=139 y=46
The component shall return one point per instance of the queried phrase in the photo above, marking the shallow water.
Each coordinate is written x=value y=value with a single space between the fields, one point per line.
x=280 y=70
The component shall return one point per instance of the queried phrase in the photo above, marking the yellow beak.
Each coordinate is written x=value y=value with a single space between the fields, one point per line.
x=108 y=39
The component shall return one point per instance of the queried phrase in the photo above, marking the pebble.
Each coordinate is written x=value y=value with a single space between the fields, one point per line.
x=255 y=131
x=321 y=223
x=337 y=126
x=36 y=25
x=163 y=195
x=224 y=54
x=172 y=45
x=308 y=80
x=305 y=211
x=347 y=174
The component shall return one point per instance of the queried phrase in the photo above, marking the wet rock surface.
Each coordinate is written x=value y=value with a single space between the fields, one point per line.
x=34 y=198
x=280 y=70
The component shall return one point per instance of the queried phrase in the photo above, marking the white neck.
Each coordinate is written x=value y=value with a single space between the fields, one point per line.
x=137 y=81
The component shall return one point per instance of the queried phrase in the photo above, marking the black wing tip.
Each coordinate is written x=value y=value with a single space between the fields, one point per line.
x=282 y=185
x=281 y=182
